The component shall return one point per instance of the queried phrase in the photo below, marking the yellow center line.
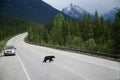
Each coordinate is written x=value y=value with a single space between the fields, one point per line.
x=72 y=71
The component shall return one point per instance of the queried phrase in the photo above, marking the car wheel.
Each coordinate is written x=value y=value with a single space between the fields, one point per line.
x=14 y=54
x=5 y=55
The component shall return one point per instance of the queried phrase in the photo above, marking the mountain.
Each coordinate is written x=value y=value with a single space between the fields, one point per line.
x=110 y=15
x=32 y=10
x=75 y=11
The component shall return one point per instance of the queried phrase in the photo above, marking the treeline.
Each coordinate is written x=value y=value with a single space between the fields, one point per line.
x=10 y=26
x=88 y=34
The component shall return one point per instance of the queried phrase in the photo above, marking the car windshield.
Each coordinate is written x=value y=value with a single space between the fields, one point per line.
x=9 y=47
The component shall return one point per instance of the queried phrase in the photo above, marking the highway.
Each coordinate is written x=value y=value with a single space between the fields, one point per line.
x=28 y=65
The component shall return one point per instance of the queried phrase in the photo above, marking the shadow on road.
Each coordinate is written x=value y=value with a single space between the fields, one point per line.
x=1 y=55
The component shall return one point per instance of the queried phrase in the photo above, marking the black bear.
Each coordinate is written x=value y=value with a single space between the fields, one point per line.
x=50 y=58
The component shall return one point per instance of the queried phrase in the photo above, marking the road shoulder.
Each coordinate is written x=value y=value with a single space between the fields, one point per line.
x=10 y=68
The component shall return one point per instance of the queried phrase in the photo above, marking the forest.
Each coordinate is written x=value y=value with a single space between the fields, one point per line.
x=94 y=34
x=10 y=27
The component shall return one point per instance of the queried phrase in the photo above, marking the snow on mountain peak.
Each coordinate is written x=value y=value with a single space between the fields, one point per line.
x=111 y=14
x=74 y=11
x=73 y=5
x=116 y=8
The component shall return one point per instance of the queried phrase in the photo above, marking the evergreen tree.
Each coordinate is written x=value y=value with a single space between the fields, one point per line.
x=57 y=30
x=90 y=34
x=65 y=31
x=30 y=34
x=86 y=28
x=96 y=26
x=116 y=34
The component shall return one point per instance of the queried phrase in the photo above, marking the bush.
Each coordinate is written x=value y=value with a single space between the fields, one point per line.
x=90 y=44
x=77 y=42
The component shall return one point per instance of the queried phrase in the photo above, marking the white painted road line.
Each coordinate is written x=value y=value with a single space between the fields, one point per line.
x=26 y=73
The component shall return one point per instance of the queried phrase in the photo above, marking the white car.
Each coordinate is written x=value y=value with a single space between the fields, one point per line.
x=9 y=50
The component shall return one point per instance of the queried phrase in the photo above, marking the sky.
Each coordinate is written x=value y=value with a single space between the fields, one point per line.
x=102 y=6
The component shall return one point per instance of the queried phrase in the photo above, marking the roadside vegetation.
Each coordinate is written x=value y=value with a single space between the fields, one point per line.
x=87 y=35
x=10 y=27
x=3 y=42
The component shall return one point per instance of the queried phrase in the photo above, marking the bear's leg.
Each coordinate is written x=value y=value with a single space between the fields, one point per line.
x=49 y=60
x=45 y=60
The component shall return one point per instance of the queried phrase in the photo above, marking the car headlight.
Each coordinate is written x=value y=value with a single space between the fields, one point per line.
x=12 y=51
x=5 y=51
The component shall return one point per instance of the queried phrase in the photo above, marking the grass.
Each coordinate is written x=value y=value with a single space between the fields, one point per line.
x=76 y=51
x=4 y=42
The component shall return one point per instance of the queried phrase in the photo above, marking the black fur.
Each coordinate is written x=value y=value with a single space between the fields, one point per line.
x=50 y=58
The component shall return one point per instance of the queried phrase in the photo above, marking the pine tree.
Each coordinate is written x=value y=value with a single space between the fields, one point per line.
x=57 y=30
x=96 y=26
x=30 y=34
x=116 y=34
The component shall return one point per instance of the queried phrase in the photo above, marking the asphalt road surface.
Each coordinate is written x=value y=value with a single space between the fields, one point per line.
x=28 y=65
